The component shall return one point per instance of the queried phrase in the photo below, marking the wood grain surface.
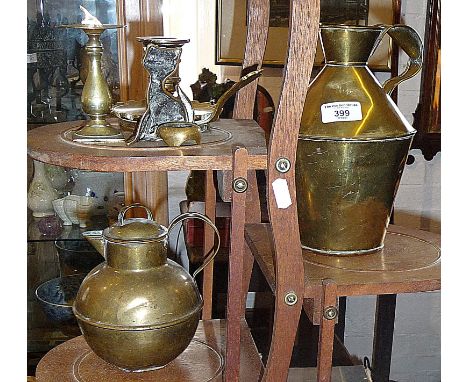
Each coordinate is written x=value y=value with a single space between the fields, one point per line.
x=235 y=302
x=61 y=364
x=404 y=247
x=245 y=206
x=326 y=332
x=303 y=33
x=45 y=144
x=258 y=15
x=208 y=242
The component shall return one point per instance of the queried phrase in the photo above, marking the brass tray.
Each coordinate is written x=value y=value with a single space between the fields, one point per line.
x=213 y=136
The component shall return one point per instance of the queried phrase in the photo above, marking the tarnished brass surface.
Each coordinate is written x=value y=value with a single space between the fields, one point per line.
x=135 y=229
x=176 y=133
x=138 y=310
x=348 y=169
x=346 y=191
x=96 y=98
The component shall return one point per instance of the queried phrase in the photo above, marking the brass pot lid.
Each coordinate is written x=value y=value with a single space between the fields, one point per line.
x=135 y=229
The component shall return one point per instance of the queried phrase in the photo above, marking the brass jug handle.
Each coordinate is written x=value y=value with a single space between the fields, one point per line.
x=124 y=210
x=408 y=40
x=212 y=252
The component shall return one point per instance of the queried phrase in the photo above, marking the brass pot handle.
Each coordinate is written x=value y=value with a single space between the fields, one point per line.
x=408 y=40
x=212 y=252
x=124 y=210
x=243 y=81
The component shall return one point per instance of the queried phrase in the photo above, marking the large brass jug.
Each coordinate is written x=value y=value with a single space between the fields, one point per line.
x=353 y=142
x=139 y=310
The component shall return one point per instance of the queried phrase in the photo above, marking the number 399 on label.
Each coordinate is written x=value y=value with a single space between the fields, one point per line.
x=341 y=111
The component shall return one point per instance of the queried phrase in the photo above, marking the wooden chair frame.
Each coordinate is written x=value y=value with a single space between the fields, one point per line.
x=304 y=23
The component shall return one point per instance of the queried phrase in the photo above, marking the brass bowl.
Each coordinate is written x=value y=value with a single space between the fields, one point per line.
x=175 y=134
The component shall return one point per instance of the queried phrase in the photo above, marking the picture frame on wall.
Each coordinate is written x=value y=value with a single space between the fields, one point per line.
x=231 y=28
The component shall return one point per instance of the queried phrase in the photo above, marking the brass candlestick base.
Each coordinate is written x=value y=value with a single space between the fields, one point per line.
x=96 y=130
x=96 y=97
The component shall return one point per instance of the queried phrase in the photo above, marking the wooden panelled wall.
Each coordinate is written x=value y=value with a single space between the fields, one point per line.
x=142 y=18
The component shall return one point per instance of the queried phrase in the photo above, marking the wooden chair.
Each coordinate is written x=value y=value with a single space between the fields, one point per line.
x=297 y=284
x=303 y=33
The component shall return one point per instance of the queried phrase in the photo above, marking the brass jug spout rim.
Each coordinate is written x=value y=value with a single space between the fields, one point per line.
x=96 y=239
x=350 y=44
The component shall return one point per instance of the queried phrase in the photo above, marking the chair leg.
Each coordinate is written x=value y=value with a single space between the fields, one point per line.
x=383 y=337
x=252 y=215
x=285 y=326
x=247 y=271
x=208 y=241
x=328 y=316
x=236 y=300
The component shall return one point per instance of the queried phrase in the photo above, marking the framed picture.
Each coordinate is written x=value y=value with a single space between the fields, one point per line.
x=231 y=28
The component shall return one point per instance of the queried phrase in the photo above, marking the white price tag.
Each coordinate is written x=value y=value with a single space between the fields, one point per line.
x=281 y=191
x=341 y=111
x=32 y=57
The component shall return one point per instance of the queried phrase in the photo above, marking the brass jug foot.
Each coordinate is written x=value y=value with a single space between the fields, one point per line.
x=343 y=253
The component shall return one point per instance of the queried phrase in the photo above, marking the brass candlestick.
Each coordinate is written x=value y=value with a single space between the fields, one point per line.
x=96 y=97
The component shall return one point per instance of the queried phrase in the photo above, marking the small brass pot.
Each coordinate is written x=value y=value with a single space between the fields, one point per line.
x=138 y=310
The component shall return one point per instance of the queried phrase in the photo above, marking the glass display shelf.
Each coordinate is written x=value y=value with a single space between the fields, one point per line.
x=43 y=334
x=57 y=65
x=70 y=233
x=49 y=257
